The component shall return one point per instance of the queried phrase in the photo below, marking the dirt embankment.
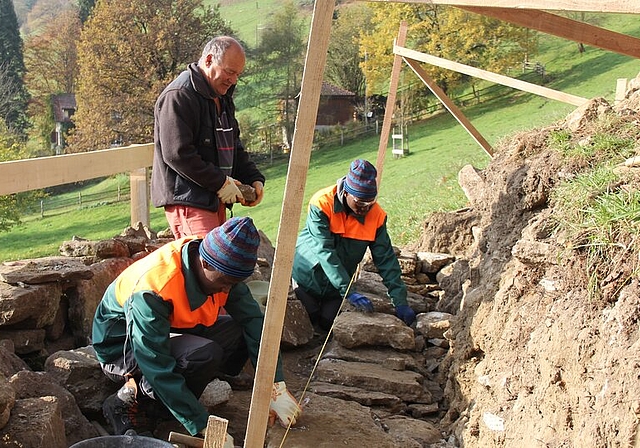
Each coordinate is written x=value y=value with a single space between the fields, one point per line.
x=537 y=359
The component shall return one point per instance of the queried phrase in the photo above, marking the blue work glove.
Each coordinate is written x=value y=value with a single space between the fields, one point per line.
x=360 y=302
x=405 y=313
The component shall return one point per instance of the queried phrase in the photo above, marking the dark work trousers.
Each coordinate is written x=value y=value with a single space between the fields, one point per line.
x=322 y=311
x=219 y=349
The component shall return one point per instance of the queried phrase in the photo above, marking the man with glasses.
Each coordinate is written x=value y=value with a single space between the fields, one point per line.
x=342 y=222
x=199 y=160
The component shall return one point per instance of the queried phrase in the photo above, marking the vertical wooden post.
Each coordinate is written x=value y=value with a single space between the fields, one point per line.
x=289 y=222
x=391 y=102
x=621 y=89
x=139 y=181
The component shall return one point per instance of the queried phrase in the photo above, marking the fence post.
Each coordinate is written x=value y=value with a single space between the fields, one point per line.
x=139 y=181
x=42 y=208
x=621 y=89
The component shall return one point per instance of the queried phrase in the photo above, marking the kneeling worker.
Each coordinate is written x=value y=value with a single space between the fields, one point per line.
x=343 y=221
x=159 y=328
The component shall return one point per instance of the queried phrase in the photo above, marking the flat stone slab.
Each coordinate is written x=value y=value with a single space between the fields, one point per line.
x=44 y=270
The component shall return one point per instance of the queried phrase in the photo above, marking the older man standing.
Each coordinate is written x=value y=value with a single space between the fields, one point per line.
x=344 y=220
x=199 y=158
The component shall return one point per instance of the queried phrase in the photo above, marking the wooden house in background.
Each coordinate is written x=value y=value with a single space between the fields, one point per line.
x=336 y=107
x=64 y=106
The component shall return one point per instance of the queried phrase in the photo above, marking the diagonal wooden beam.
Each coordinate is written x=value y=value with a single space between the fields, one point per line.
x=613 y=6
x=490 y=76
x=391 y=102
x=451 y=107
x=565 y=28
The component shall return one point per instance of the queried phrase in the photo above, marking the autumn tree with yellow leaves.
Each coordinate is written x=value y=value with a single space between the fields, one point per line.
x=129 y=50
x=446 y=32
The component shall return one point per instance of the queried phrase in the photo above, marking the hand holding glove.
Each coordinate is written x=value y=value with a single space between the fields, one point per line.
x=283 y=406
x=360 y=302
x=405 y=313
x=230 y=193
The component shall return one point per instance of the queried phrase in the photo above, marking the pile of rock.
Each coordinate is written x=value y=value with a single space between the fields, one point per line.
x=52 y=388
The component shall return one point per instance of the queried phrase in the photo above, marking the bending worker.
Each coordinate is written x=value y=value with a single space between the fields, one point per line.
x=159 y=328
x=342 y=222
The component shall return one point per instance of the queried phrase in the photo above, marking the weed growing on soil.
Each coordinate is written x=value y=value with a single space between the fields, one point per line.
x=598 y=208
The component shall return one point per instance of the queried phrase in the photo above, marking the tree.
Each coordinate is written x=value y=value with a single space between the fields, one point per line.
x=446 y=32
x=343 y=58
x=12 y=147
x=52 y=68
x=129 y=50
x=13 y=107
x=86 y=7
x=280 y=61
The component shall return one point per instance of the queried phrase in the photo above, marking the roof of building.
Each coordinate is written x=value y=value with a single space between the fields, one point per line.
x=331 y=90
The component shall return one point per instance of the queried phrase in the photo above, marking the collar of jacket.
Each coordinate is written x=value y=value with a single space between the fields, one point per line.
x=194 y=294
x=340 y=202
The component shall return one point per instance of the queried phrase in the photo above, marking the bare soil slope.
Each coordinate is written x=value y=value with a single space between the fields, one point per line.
x=537 y=359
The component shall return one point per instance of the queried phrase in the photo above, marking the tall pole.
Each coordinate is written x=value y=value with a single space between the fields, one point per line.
x=391 y=102
x=289 y=222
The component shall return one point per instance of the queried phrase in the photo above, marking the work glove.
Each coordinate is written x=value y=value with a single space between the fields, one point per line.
x=283 y=406
x=360 y=302
x=230 y=193
x=405 y=313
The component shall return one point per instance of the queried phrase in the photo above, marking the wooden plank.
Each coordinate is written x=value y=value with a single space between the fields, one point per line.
x=455 y=111
x=391 y=102
x=490 y=76
x=32 y=174
x=613 y=6
x=289 y=221
x=215 y=433
x=565 y=28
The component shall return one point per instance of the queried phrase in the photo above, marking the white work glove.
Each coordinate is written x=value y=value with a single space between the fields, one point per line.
x=230 y=193
x=283 y=406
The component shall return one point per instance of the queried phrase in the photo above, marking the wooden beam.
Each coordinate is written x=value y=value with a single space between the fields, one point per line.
x=490 y=76
x=565 y=28
x=455 y=111
x=58 y=170
x=612 y=6
x=289 y=221
x=391 y=102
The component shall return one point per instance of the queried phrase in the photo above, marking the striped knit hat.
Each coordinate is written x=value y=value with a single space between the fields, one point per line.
x=232 y=247
x=361 y=180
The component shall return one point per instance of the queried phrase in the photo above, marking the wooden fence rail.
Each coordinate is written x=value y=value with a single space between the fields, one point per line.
x=32 y=174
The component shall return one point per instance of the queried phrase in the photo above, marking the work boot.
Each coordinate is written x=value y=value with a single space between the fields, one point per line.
x=122 y=412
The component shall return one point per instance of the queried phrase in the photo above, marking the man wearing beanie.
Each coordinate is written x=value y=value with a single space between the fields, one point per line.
x=159 y=329
x=342 y=222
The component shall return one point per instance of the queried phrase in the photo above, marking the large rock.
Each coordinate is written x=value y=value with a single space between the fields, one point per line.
x=80 y=373
x=354 y=329
x=35 y=423
x=33 y=306
x=40 y=384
